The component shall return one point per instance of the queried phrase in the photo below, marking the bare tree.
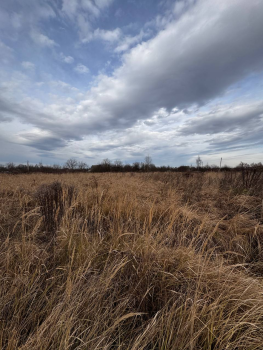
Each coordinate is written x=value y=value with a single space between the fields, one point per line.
x=118 y=166
x=82 y=165
x=71 y=164
x=136 y=166
x=106 y=165
x=198 y=162
x=148 y=160
x=56 y=166
x=106 y=162
x=10 y=166
x=147 y=163
x=118 y=163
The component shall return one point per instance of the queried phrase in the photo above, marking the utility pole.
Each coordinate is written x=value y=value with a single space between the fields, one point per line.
x=220 y=163
x=198 y=162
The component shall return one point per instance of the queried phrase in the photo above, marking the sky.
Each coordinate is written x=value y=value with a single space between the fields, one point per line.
x=123 y=79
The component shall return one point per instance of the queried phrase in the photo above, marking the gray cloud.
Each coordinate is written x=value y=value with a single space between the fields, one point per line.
x=83 y=13
x=80 y=68
x=190 y=62
x=41 y=39
x=196 y=58
x=6 y=53
x=232 y=128
x=42 y=142
x=149 y=122
x=16 y=17
x=225 y=120
x=6 y=110
x=246 y=138
x=11 y=109
x=4 y=118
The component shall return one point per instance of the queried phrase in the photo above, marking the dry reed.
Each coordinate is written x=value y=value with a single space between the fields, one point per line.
x=114 y=261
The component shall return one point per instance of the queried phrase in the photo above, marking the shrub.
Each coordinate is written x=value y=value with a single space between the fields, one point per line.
x=52 y=200
x=246 y=180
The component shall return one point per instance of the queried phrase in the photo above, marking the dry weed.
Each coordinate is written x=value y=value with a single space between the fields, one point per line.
x=113 y=261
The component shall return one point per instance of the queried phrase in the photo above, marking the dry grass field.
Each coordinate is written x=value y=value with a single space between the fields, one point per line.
x=130 y=261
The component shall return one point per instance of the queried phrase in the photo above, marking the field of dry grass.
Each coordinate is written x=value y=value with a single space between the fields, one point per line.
x=130 y=261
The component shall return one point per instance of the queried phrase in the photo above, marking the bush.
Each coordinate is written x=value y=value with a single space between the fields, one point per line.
x=52 y=200
x=246 y=180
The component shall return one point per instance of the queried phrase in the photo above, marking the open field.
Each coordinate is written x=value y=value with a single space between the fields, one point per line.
x=131 y=261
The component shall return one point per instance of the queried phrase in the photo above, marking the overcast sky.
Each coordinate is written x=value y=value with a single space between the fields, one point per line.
x=121 y=79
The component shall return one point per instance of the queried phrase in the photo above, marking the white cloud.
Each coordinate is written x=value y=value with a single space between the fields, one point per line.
x=90 y=7
x=118 y=12
x=106 y=35
x=6 y=53
x=70 y=7
x=103 y=3
x=187 y=63
x=62 y=86
x=16 y=20
x=28 y=66
x=41 y=39
x=181 y=6
x=4 y=18
x=21 y=17
x=128 y=41
x=80 y=68
x=66 y=59
x=84 y=26
x=83 y=13
x=226 y=118
x=190 y=62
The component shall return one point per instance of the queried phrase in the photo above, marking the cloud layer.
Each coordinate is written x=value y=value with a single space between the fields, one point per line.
x=202 y=49
x=190 y=62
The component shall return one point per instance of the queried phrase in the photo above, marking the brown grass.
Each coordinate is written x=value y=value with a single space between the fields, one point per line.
x=130 y=261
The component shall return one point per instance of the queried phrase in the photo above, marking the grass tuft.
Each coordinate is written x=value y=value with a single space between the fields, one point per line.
x=113 y=261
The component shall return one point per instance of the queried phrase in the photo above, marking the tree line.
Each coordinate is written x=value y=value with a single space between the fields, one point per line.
x=72 y=165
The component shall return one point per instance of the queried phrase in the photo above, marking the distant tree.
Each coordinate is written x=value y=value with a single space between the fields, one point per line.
x=256 y=165
x=56 y=166
x=10 y=166
x=136 y=166
x=95 y=168
x=148 y=160
x=225 y=168
x=82 y=165
x=71 y=164
x=183 y=168
x=242 y=165
x=198 y=162
x=147 y=163
x=118 y=165
x=207 y=167
x=106 y=161
x=127 y=167
x=106 y=165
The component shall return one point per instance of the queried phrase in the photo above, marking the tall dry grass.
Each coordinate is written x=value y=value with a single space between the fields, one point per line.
x=130 y=261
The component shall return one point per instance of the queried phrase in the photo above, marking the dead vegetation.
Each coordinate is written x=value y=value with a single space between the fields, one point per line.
x=131 y=261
